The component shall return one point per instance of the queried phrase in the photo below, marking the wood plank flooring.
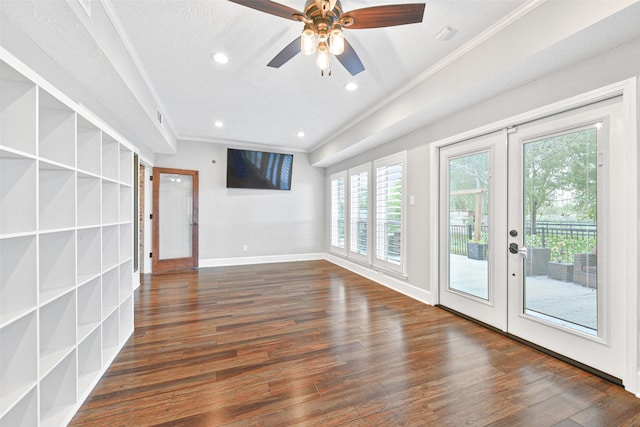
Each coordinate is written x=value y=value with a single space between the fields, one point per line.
x=312 y=344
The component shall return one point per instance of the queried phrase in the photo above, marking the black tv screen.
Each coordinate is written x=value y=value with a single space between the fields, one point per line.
x=258 y=169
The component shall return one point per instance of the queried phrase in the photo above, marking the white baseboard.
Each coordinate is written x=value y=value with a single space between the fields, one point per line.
x=371 y=274
x=382 y=278
x=224 y=262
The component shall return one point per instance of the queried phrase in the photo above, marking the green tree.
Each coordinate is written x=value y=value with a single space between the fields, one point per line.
x=469 y=172
x=559 y=172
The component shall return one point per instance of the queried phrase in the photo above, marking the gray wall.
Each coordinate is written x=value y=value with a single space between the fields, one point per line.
x=269 y=222
x=613 y=66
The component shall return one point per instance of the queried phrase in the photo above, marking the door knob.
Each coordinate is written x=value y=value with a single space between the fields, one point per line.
x=514 y=249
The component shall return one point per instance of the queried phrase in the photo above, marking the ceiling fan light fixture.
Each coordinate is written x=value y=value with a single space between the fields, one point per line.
x=323 y=58
x=308 y=40
x=336 y=40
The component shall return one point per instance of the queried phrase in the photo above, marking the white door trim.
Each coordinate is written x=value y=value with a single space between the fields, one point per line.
x=628 y=90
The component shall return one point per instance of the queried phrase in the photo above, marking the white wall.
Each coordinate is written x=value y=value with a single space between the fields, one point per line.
x=274 y=225
x=613 y=66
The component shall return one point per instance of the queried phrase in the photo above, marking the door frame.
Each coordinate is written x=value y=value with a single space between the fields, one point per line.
x=628 y=90
x=159 y=265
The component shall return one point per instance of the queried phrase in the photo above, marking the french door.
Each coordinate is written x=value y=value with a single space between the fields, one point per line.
x=529 y=247
x=472 y=209
x=175 y=219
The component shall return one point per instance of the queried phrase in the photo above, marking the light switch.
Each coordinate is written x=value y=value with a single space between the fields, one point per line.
x=412 y=200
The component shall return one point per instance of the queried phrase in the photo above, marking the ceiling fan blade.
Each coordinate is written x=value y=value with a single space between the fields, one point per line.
x=269 y=7
x=350 y=60
x=386 y=16
x=285 y=54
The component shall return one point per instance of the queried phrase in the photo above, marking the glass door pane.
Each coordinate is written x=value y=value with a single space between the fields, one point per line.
x=176 y=206
x=560 y=225
x=468 y=224
x=175 y=219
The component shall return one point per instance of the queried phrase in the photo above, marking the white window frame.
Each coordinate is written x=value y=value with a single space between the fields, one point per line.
x=342 y=250
x=357 y=256
x=400 y=267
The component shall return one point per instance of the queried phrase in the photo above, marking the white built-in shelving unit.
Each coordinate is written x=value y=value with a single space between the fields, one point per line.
x=66 y=252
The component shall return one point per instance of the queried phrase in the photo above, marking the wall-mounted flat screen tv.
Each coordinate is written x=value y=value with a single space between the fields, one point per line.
x=258 y=169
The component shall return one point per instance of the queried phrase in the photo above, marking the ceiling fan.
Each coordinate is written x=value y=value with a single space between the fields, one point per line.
x=323 y=22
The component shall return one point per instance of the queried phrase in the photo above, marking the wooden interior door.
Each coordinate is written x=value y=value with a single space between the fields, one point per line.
x=175 y=219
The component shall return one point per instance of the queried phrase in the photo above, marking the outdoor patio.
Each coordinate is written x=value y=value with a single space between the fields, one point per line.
x=562 y=302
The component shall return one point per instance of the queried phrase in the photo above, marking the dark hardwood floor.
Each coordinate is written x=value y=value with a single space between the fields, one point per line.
x=309 y=343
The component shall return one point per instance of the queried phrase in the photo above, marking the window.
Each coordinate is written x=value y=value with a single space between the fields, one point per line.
x=338 y=212
x=359 y=212
x=367 y=213
x=389 y=212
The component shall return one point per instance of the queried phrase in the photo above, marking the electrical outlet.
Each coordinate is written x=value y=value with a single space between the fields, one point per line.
x=245 y=248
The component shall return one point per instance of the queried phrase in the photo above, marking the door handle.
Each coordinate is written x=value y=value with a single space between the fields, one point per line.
x=514 y=249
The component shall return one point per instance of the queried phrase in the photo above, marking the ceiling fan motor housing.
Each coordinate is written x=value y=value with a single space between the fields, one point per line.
x=321 y=13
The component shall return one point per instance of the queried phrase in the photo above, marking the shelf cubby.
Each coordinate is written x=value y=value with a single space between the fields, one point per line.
x=110 y=157
x=110 y=199
x=24 y=413
x=89 y=254
x=110 y=291
x=57 y=126
x=126 y=203
x=17 y=193
x=110 y=336
x=18 y=279
x=89 y=308
x=89 y=200
x=109 y=247
x=89 y=361
x=18 y=361
x=18 y=111
x=57 y=264
x=57 y=331
x=126 y=319
x=89 y=147
x=58 y=392
x=126 y=166
x=126 y=239
x=57 y=197
x=126 y=285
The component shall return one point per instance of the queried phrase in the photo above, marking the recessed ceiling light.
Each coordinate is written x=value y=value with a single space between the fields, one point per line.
x=300 y=134
x=351 y=86
x=218 y=124
x=220 y=58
